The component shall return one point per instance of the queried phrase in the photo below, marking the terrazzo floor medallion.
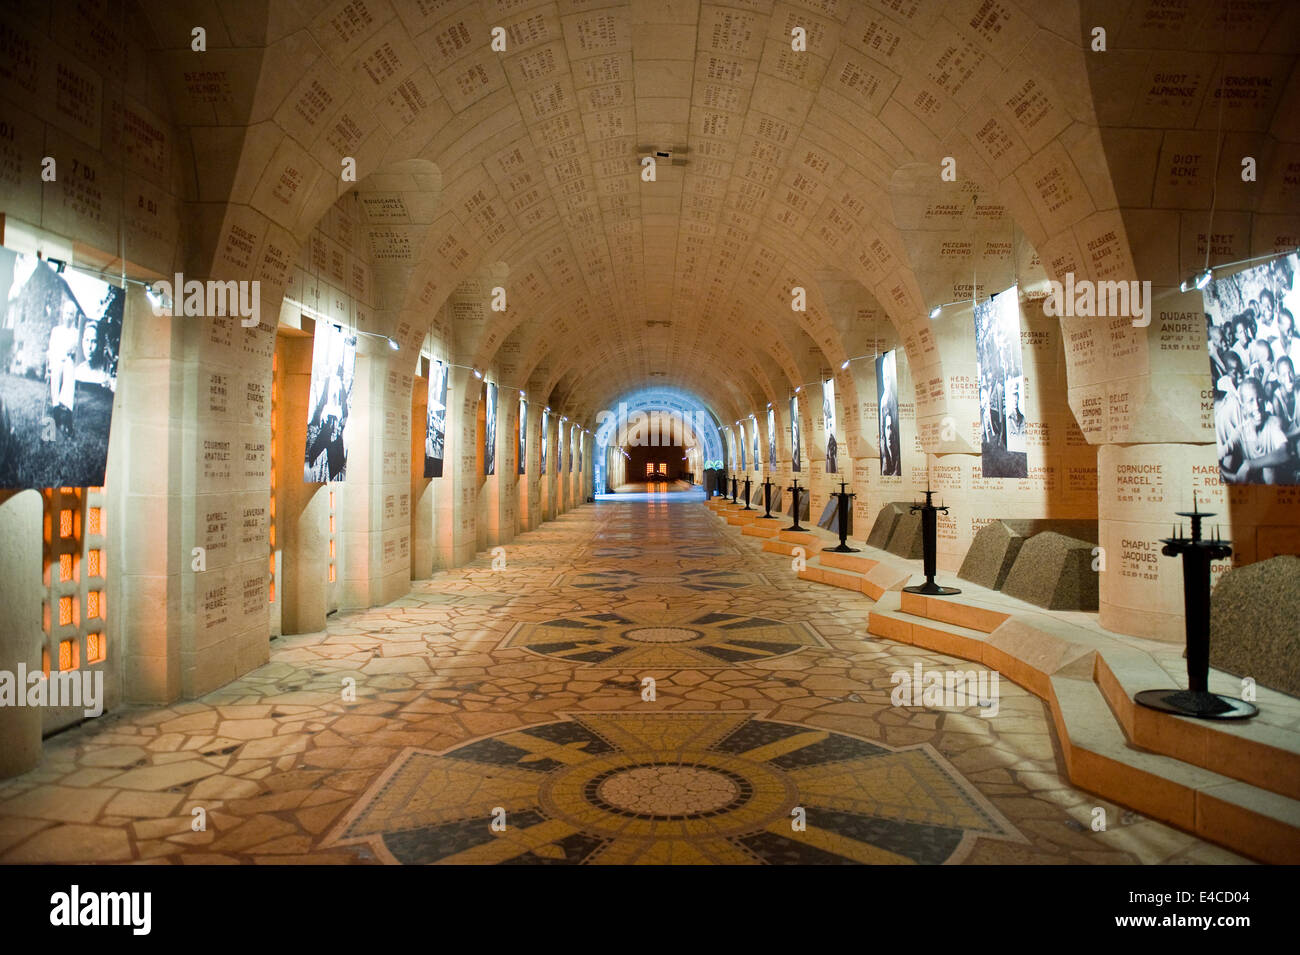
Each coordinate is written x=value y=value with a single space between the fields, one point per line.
x=601 y=788
x=681 y=639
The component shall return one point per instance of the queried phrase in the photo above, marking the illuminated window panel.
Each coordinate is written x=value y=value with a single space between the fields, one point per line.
x=95 y=648
x=331 y=523
x=65 y=611
x=331 y=550
x=94 y=563
x=68 y=655
x=93 y=605
x=95 y=520
x=65 y=523
x=272 y=592
x=45 y=661
x=331 y=573
x=65 y=567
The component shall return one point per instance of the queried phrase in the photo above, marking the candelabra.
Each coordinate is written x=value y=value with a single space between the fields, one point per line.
x=767 y=499
x=843 y=514
x=794 y=506
x=1197 y=700
x=747 y=486
x=930 y=543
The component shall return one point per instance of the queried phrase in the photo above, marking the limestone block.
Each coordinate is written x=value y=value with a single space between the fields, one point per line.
x=997 y=544
x=1253 y=623
x=1054 y=571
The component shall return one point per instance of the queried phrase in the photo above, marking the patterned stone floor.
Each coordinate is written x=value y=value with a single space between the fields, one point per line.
x=502 y=717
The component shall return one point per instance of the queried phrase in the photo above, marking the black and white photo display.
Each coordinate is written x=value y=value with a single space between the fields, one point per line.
x=490 y=431
x=59 y=340
x=545 y=425
x=758 y=460
x=435 y=429
x=559 y=447
x=731 y=447
x=794 y=434
x=333 y=362
x=573 y=444
x=743 y=466
x=828 y=417
x=1254 y=351
x=887 y=403
x=1002 y=385
x=523 y=434
x=771 y=439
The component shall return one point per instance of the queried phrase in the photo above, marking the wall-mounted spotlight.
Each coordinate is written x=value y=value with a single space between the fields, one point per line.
x=156 y=298
x=1198 y=280
x=478 y=374
x=934 y=312
x=798 y=388
x=392 y=343
x=845 y=364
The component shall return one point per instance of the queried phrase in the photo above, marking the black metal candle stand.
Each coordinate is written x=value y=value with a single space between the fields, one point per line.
x=795 y=507
x=1197 y=701
x=733 y=489
x=843 y=547
x=747 y=507
x=930 y=542
x=767 y=499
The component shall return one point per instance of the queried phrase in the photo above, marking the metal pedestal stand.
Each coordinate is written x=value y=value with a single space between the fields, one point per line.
x=1197 y=700
x=795 y=491
x=843 y=547
x=930 y=541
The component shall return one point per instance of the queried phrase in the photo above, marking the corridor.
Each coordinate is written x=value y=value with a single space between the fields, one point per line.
x=500 y=713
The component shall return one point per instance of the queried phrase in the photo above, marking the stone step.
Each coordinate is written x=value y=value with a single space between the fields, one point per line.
x=1099 y=758
x=952 y=610
x=777 y=546
x=1257 y=753
x=1099 y=754
x=761 y=528
x=853 y=562
x=801 y=538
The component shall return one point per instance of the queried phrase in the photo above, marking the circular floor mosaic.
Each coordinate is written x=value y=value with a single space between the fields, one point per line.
x=616 y=788
x=693 y=638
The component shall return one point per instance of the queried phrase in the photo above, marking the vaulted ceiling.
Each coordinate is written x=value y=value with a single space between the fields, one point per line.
x=784 y=166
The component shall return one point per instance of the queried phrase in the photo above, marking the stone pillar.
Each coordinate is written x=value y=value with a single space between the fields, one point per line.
x=225 y=493
x=301 y=509
x=376 y=524
x=147 y=565
x=20 y=623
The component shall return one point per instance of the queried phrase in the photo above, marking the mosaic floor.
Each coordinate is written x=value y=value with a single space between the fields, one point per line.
x=639 y=684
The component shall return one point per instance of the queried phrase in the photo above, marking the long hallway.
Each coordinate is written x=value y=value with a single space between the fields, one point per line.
x=500 y=713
